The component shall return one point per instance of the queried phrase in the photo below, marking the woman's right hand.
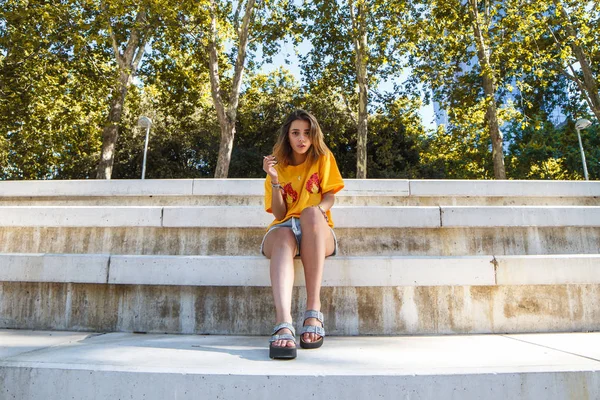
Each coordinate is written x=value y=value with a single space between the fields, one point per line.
x=269 y=163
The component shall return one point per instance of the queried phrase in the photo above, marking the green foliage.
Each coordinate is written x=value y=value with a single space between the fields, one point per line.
x=264 y=105
x=550 y=152
x=394 y=142
x=328 y=26
x=51 y=83
x=57 y=71
x=183 y=140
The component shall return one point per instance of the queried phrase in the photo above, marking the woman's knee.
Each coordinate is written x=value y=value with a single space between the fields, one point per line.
x=311 y=215
x=280 y=240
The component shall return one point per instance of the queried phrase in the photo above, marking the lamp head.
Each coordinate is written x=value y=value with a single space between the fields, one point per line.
x=144 y=122
x=582 y=124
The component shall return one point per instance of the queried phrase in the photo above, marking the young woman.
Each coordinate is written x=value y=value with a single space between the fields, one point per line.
x=302 y=179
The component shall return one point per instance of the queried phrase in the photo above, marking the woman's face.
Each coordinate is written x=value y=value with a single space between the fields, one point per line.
x=299 y=136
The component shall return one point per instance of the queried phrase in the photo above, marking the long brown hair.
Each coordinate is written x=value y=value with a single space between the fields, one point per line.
x=283 y=150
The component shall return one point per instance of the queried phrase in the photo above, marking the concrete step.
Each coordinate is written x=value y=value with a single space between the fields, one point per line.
x=344 y=216
x=258 y=201
x=235 y=230
x=368 y=296
x=339 y=271
x=250 y=192
x=476 y=241
x=59 y=365
x=254 y=187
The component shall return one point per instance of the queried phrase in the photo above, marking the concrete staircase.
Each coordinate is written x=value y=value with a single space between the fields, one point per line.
x=415 y=258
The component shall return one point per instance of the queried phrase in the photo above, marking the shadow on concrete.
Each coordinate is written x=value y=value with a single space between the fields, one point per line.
x=254 y=348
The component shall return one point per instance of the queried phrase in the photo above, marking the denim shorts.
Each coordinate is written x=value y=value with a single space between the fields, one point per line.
x=294 y=223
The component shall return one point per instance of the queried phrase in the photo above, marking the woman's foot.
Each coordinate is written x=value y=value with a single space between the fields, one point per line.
x=282 y=344
x=311 y=337
x=313 y=330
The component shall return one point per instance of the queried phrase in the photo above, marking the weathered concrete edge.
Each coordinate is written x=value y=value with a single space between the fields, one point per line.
x=80 y=216
x=241 y=271
x=59 y=268
x=181 y=187
x=544 y=270
x=93 y=188
x=513 y=216
x=339 y=271
x=205 y=216
x=507 y=188
x=344 y=216
x=254 y=187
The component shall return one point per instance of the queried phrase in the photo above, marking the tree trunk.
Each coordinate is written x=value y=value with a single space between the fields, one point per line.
x=128 y=63
x=227 y=114
x=361 y=145
x=110 y=133
x=225 y=148
x=589 y=82
x=360 y=48
x=489 y=89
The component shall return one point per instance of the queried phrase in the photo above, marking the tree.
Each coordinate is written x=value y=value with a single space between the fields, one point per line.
x=135 y=34
x=395 y=140
x=226 y=114
x=173 y=89
x=471 y=54
x=489 y=87
x=262 y=23
x=52 y=85
x=573 y=27
x=359 y=38
x=356 y=44
x=264 y=104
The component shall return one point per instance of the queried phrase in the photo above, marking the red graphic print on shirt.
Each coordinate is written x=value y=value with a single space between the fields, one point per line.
x=290 y=194
x=313 y=185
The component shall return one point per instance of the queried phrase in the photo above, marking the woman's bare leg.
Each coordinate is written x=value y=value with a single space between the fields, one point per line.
x=317 y=243
x=280 y=248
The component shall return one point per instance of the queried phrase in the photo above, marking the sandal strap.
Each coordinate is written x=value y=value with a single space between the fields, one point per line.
x=319 y=330
x=284 y=325
x=313 y=314
x=284 y=336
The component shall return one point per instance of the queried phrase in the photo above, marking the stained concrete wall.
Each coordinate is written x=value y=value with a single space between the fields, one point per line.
x=348 y=310
x=352 y=242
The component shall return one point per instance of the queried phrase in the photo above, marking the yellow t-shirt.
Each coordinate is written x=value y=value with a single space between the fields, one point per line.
x=304 y=186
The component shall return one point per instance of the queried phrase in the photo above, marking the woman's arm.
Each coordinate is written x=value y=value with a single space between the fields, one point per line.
x=327 y=201
x=278 y=206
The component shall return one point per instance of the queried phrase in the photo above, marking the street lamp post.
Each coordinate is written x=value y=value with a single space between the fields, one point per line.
x=579 y=125
x=145 y=122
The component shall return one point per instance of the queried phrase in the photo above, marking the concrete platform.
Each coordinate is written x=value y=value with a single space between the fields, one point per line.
x=59 y=365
